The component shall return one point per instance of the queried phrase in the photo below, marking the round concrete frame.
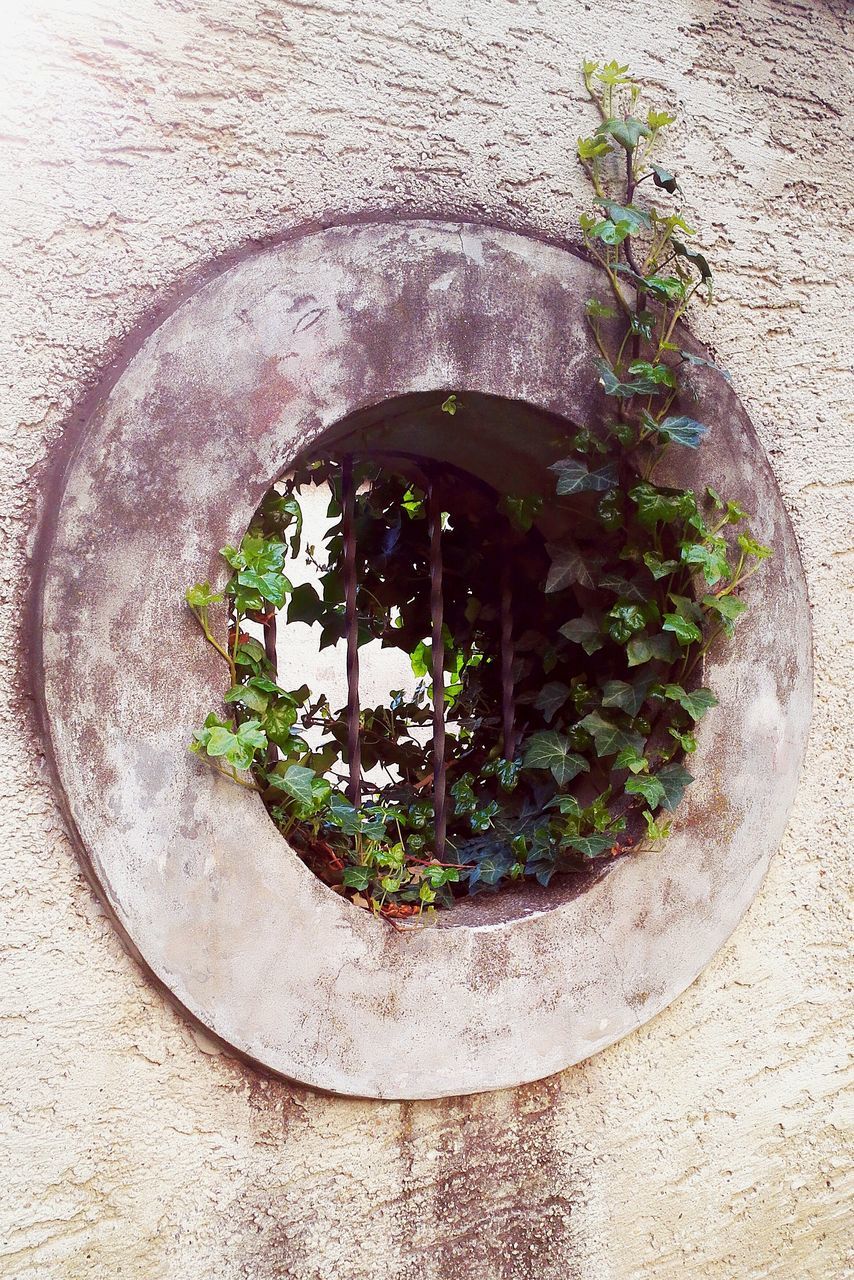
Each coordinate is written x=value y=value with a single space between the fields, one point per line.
x=243 y=374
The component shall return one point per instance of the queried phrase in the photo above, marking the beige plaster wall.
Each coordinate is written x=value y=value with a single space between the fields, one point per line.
x=138 y=140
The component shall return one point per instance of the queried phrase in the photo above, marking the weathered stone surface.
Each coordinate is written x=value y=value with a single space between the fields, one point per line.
x=241 y=377
x=136 y=142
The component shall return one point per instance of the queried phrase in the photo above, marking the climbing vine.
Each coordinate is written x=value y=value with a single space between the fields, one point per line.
x=620 y=583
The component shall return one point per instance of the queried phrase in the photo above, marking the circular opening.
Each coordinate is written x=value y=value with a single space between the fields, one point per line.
x=209 y=413
x=425 y=535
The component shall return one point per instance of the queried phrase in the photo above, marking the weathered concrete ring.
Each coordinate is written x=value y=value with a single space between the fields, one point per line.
x=241 y=376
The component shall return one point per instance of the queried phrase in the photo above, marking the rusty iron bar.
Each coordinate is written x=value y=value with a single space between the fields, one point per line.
x=508 y=702
x=270 y=642
x=273 y=659
x=351 y=624
x=440 y=821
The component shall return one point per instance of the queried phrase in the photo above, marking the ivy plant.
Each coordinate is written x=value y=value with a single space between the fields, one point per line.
x=636 y=579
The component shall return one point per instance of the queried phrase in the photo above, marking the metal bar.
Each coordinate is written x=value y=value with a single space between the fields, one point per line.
x=508 y=704
x=272 y=658
x=270 y=642
x=351 y=624
x=438 y=656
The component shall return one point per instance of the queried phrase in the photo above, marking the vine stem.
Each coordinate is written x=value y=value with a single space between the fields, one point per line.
x=231 y=774
x=619 y=297
x=201 y=618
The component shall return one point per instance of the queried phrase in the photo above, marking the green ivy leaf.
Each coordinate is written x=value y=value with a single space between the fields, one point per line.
x=609 y=738
x=412 y=502
x=542 y=870
x=216 y=741
x=268 y=686
x=651 y=789
x=727 y=608
x=282 y=511
x=574 y=477
x=655 y=830
x=296 y=781
x=551 y=698
x=480 y=819
x=356 y=877
x=200 y=596
x=686 y=607
x=696 y=259
x=270 y=585
x=631 y=590
x=238 y=748
x=674 y=779
x=258 y=563
x=696 y=703
x=611 y=74
x=643 y=323
x=690 y=358
x=686 y=631
x=567 y=805
x=591 y=846
x=709 y=556
x=591 y=148
x=568 y=566
x=251 y=697
x=628 y=697
x=521 y=512
x=659 y=568
x=506 y=771
x=305 y=605
x=655 y=505
x=599 y=310
x=624 y=620
x=659 y=374
x=753 y=548
x=321 y=791
x=420 y=659
x=609 y=509
x=491 y=869
x=679 y=430
x=626 y=132
x=610 y=232
x=630 y=758
x=614 y=386
x=343 y=815
x=465 y=801
x=250 y=653
x=640 y=649
x=585 y=631
x=420 y=815
x=551 y=750
x=665 y=288
x=663 y=179
x=629 y=215
x=278 y=722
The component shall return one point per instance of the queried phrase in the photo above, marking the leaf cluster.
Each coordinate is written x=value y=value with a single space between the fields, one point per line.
x=636 y=581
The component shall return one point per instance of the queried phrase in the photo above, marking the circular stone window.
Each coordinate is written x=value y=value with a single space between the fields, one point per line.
x=442 y=688
x=431 y=373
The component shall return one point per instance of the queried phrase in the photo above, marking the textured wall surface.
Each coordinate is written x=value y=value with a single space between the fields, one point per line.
x=137 y=142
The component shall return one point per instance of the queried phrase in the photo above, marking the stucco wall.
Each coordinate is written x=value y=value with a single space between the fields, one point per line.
x=137 y=142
